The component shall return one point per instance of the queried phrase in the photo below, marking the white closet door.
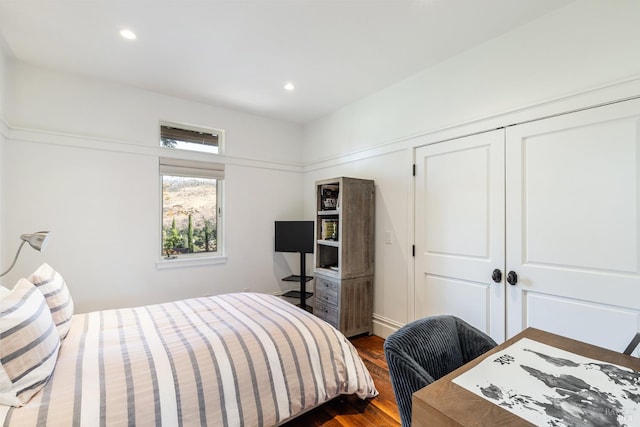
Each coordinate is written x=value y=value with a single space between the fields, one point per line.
x=459 y=224
x=573 y=200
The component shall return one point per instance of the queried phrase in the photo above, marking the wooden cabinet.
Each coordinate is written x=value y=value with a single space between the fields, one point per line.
x=344 y=253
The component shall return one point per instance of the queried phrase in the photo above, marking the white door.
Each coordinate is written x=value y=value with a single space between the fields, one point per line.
x=459 y=226
x=573 y=201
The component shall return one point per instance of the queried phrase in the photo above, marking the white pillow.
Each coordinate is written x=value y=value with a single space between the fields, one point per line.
x=29 y=344
x=55 y=291
x=3 y=290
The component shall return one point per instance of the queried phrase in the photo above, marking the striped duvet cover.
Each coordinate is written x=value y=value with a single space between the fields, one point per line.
x=241 y=359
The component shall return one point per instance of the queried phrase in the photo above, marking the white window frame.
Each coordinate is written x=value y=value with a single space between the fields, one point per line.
x=195 y=169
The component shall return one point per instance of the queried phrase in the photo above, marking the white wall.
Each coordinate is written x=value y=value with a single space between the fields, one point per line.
x=586 y=45
x=3 y=84
x=49 y=101
x=81 y=160
x=3 y=132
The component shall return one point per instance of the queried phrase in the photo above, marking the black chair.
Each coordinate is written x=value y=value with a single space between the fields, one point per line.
x=424 y=350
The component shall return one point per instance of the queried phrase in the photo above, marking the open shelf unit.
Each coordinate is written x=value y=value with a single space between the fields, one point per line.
x=344 y=253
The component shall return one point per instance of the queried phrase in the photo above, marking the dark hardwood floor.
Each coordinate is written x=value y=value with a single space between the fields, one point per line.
x=381 y=411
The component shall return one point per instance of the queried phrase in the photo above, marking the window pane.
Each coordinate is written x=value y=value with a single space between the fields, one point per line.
x=189 y=215
x=206 y=141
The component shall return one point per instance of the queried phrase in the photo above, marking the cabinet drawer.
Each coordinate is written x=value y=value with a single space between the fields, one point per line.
x=326 y=312
x=326 y=291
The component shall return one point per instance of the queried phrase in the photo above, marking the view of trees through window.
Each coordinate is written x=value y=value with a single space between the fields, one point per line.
x=189 y=215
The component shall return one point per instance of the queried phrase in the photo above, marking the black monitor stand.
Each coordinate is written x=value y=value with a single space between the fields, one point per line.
x=303 y=282
x=303 y=279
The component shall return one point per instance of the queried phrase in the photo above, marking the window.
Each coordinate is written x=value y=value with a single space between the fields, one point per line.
x=191 y=195
x=193 y=139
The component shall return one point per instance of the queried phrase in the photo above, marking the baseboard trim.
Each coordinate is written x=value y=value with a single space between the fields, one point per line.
x=383 y=327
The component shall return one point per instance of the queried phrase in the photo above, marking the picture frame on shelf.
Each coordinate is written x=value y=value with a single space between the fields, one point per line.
x=329 y=229
x=329 y=197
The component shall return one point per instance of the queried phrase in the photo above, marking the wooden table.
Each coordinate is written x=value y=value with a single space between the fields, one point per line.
x=445 y=403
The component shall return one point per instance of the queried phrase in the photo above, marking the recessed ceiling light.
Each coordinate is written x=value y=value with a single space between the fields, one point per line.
x=289 y=86
x=128 y=34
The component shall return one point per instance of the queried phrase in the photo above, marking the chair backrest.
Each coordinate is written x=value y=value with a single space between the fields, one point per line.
x=635 y=341
x=425 y=350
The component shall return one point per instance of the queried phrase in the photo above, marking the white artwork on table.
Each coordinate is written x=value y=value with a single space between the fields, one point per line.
x=548 y=386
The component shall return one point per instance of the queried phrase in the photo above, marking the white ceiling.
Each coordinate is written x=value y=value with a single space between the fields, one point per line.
x=239 y=54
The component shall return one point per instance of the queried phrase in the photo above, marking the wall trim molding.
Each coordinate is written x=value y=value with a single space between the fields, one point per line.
x=612 y=92
x=607 y=93
x=41 y=136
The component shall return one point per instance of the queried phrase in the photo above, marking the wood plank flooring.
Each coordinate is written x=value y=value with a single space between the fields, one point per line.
x=351 y=411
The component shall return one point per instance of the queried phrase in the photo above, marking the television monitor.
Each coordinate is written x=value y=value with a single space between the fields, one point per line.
x=294 y=236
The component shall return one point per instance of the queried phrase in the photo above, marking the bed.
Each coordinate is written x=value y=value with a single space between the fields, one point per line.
x=236 y=359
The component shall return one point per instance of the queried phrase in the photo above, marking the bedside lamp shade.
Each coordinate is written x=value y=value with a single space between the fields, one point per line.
x=37 y=241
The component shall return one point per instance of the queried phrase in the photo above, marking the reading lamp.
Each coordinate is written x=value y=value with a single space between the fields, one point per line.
x=37 y=241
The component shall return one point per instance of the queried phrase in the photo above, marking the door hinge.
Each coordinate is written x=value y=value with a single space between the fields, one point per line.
x=413 y=250
x=414 y=169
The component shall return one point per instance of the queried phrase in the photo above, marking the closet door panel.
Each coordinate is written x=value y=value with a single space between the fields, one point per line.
x=466 y=299
x=595 y=319
x=572 y=224
x=460 y=230
x=578 y=186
